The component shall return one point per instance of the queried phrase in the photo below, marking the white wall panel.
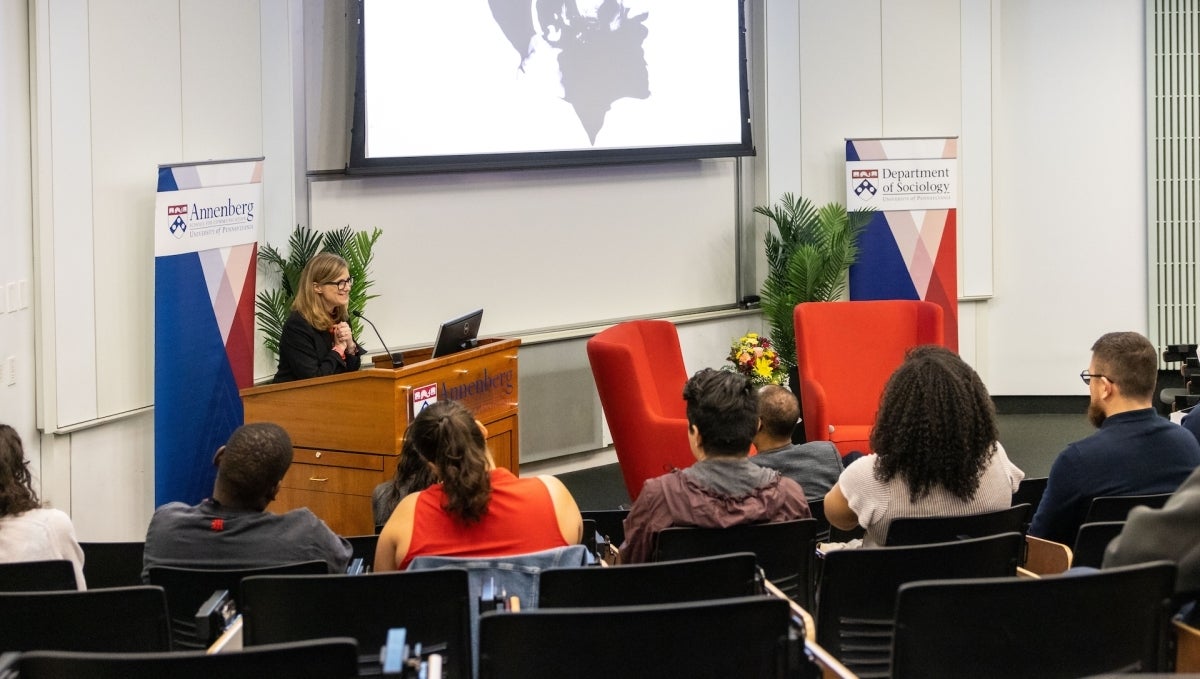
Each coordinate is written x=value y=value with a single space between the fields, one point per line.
x=1069 y=197
x=921 y=81
x=841 y=89
x=135 y=107
x=221 y=78
x=73 y=333
x=975 y=152
x=112 y=479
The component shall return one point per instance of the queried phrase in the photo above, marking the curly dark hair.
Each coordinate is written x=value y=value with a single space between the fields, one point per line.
x=17 y=495
x=936 y=425
x=723 y=407
x=446 y=434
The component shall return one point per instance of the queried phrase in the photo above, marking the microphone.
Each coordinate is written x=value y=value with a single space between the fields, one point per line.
x=391 y=356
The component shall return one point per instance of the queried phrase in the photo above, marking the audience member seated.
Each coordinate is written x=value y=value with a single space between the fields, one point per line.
x=723 y=488
x=232 y=529
x=1171 y=533
x=1135 y=450
x=476 y=509
x=815 y=465
x=29 y=531
x=936 y=452
x=412 y=474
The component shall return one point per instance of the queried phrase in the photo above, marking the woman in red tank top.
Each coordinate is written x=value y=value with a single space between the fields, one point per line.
x=475 y=509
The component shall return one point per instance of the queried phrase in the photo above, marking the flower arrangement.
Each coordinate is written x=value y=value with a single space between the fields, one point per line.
x=756 y=358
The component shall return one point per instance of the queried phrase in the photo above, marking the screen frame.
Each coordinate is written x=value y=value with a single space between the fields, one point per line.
x=359 y=163
x=458 y=334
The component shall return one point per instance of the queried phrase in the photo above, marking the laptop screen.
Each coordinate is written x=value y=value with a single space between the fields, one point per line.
x=458 y=334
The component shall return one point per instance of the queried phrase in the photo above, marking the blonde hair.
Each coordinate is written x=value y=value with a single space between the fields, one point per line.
x=321 y=269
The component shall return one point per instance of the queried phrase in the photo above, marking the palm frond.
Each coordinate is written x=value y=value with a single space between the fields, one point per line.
x=809 y=252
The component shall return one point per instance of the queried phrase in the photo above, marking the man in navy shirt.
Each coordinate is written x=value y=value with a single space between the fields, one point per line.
x=1134 y=452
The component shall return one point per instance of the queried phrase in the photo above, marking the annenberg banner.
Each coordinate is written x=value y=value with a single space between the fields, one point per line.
x=206 y=223
x=909 y=249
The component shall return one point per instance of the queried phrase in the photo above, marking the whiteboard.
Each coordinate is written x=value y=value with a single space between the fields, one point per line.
x=540 y=249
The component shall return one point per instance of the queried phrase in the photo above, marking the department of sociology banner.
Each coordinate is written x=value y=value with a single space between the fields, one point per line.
x=909 y=249
x=206 y=218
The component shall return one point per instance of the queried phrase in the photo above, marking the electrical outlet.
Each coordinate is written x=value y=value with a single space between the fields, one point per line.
x=10 y=370
x=23 y=293
x=7 y=303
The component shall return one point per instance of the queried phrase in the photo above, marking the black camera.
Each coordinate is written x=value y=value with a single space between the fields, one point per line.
x=1185 y=353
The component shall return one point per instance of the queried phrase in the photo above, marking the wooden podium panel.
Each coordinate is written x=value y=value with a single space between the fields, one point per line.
x=347 y=429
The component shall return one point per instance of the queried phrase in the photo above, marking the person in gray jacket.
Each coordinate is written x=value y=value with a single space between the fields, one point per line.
x=815 y=465
x=1171 y=533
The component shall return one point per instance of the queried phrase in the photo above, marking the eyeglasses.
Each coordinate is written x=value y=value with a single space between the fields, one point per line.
x=342 y=285
x=1087 y=376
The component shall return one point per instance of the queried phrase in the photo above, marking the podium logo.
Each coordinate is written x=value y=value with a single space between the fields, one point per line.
x=178 y=226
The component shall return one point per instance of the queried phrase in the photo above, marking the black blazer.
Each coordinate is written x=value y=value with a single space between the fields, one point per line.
x=306 y=352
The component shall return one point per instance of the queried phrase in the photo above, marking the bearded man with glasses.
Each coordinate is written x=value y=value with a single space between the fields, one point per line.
x=1135 y=451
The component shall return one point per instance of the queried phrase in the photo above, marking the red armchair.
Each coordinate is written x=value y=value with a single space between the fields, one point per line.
x=639 y=375
x=845 y=353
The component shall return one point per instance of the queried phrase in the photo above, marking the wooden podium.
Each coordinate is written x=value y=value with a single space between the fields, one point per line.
x=347 y=429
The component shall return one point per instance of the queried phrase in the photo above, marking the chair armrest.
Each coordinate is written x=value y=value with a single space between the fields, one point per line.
x=816 y=424
x=1046 y=557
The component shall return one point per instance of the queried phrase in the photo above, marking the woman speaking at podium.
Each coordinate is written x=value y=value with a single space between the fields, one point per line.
x=316 y=339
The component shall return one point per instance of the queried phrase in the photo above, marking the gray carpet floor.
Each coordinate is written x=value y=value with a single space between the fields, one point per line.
x=1032 y=442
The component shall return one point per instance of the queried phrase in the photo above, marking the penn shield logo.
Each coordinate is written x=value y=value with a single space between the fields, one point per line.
x=865 y=189
x=178 y=225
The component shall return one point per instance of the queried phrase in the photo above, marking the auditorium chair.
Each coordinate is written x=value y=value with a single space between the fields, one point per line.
x=320 y=658
x=1117 y=507
x=857 y=594
x=433 y=606
x=845 y=353
x=639 y=373
x=132 y=619
x=785 y=550
x=740 y=637
x=664 y=582
x=188 y=588
x=37 y=576
x=1091 y=541
x=1102 y=623
x=112 y=564
x=919 y=530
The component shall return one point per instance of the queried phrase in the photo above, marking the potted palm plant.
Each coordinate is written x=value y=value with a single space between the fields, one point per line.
x=809 y=253
x=273 y=305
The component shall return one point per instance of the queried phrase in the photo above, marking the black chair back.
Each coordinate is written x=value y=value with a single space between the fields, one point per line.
x=37 y=576
x=668 y=640
x=112 y=564
x=433 y=606
x=320 y=659
x=1111 y=621
x=1030 y=492
x=828 y=533
x=785 y=550
x=1116 y=507
x=132 y=619
x=1091 y=541
x=713 y=577
x=927 y=529
x=857 y=595
x=188 y=588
